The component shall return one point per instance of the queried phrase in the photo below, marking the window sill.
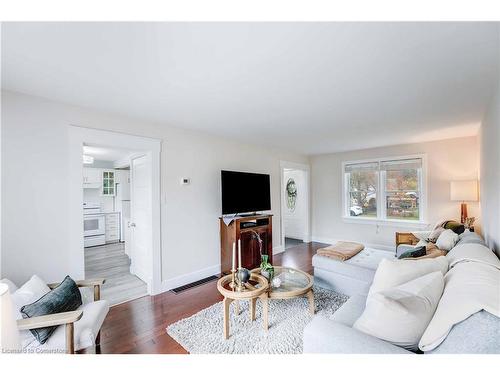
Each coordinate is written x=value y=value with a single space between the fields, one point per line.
x=386 y=222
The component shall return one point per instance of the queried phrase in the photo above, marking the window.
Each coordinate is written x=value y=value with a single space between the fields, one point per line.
x=384 y=189
x=362 y=189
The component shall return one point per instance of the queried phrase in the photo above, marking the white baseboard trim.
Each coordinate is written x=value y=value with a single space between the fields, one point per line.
x=371 y=245
x=177 y=281
x=278 y=249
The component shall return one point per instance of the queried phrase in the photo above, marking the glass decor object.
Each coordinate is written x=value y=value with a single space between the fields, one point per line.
x=266 y=268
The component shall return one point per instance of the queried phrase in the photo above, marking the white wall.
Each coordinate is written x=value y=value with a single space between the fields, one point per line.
x=490 y=173
x=95 y=196
x=295 y=221
x=35 y=180
x=447 y=160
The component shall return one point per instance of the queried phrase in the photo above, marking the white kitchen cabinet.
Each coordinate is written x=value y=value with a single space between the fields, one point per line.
x=92 y=178
x=112 y=227
x=108 y=183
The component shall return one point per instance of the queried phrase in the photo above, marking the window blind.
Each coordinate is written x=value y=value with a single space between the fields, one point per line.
x=359 y=167
x=398 y=165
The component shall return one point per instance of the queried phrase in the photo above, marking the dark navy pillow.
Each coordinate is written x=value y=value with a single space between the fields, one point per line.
x=63 y=298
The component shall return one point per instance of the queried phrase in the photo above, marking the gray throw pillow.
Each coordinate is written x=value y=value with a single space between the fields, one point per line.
x=470 y=237
x=418 y=251
x=65 y=297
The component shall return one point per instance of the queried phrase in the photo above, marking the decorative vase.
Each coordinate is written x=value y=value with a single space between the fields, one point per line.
x=266 y=269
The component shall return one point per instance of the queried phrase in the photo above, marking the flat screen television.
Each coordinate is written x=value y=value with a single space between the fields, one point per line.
x=245 y=192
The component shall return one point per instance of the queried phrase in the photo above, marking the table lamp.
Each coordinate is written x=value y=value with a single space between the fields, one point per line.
x=463 y=191
x=9 y=334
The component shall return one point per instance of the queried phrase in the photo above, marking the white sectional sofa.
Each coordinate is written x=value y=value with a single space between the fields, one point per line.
x=477 y=332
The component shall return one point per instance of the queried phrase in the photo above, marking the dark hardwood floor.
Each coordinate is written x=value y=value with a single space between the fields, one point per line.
x=140 y=326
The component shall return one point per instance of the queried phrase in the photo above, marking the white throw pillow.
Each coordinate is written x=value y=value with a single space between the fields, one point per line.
x=422 y=235
x=12 y=287
x=391 y=273
x=472 y=252
x=470 y=287
x=447 y=240
x=401 y=314
x=31 y=291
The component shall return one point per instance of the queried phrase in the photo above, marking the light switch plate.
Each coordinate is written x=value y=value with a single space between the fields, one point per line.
x=185 y=181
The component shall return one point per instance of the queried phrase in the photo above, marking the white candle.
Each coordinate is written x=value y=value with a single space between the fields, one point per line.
x=239 y=254
x=234 y=257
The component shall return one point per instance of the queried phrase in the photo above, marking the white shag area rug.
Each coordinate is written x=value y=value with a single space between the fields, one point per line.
x=203 y=333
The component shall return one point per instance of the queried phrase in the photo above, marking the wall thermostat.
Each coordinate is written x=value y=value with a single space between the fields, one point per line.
x=185 y=181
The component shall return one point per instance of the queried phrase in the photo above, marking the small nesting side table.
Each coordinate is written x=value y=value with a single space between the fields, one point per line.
x=256 y=289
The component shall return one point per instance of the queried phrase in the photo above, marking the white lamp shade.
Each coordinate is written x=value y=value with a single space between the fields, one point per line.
x=9 y=334
x=463 y=190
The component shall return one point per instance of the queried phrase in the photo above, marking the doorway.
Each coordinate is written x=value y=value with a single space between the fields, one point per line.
x=108 y=224
x=295 y=203
x=133 y=242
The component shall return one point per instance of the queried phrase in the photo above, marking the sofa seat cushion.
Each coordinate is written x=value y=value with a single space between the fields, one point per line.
x=350 y=311
x=478 y=334
x=361 y=266
x=323 y=335
x=86 y=330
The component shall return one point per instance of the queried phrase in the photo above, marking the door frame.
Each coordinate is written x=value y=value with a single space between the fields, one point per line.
x=306 y=168
x=78 y=136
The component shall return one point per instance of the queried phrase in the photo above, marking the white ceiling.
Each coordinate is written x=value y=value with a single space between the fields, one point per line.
x=306 y=87
x=107 y=154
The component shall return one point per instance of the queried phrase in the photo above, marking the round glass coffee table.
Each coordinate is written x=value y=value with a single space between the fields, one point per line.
x=290 y=283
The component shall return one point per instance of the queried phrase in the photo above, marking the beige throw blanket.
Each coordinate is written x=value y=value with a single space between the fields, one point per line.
x=342 y=250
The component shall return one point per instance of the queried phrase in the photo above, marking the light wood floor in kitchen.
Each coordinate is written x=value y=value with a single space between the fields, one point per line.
x=111 y=262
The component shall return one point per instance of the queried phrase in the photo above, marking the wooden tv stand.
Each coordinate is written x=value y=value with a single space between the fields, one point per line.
x=240 y=229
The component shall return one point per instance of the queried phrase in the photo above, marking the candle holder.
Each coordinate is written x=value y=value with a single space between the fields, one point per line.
x=232 y=284
x=241 y=278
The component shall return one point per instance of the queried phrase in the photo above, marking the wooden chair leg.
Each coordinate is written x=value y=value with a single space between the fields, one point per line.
x=70 y=338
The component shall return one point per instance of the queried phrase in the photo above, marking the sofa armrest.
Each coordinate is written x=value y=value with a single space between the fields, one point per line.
x=66 y=318
x=323 y=335
x=92 y=283
x=82 y=283
x=49 y=320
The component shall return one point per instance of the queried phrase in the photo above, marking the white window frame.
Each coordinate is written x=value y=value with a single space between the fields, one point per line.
x=381 y=207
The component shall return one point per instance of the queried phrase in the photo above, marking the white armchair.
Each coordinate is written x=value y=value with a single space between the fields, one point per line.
x=76 y=330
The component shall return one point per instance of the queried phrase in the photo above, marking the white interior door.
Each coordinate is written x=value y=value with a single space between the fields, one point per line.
x=141 y=218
